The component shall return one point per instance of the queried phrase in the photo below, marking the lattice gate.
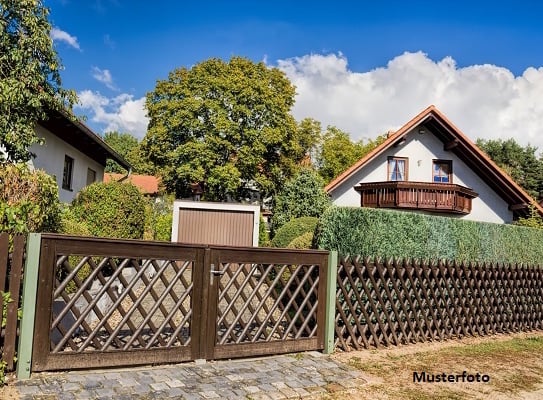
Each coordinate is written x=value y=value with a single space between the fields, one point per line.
x=103 y=302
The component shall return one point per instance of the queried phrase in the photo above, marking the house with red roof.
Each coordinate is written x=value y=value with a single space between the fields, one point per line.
x=147 y=184
x=430 y=166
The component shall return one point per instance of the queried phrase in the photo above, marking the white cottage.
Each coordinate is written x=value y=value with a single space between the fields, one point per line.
x=72 y=153
x=430 y=166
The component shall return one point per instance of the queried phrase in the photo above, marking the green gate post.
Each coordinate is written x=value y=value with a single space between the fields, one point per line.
x=30 y=285
x=331 y=289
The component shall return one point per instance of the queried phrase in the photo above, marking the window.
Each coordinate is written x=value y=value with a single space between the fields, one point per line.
x=442 y=171
x=68 y=173
x=397 y=169
x=91 y=176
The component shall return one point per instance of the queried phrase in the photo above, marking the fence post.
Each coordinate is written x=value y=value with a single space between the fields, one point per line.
x=331 y=290
x=30 y=285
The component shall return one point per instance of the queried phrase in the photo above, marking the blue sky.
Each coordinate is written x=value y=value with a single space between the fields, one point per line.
x=365 y=67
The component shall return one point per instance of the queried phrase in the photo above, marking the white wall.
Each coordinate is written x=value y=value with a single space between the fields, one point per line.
x=50 y=157
x=421 y=150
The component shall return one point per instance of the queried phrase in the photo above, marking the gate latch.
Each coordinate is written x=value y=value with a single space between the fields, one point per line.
x=216 y=272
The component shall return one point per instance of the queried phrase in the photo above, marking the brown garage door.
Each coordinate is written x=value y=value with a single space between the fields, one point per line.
x=215 y=227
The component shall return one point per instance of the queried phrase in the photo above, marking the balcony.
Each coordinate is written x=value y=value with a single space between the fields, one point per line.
x=424 y=196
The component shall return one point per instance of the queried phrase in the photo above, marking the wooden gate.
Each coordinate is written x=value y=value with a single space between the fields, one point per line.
x=104 y=302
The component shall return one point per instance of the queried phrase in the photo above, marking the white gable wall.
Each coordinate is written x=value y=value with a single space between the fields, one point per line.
x=50 y=157
x=421 y=150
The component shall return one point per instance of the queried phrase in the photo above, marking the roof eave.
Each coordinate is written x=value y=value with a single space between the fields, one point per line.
x=60 y=120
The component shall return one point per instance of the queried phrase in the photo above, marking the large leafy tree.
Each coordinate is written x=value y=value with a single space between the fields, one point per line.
x=338 y=152
x=302 y=196
x=224 y=125
x=130 y=148
x=29 y=75
x=123 y=143
x=521 y=163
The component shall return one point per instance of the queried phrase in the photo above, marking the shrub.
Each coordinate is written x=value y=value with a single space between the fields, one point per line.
x=158 y=219
x=28 y=200
x=386 y=233
x=302 y=242
x=111 y=209
x=263 y=235
x=302 y=196
x=293 y=229
x=534 y=220
x=72 y=225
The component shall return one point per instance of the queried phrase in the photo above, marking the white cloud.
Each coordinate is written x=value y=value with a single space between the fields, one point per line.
x=62 y=36
x=104 y=76
x=121 y=113
x=484 y=101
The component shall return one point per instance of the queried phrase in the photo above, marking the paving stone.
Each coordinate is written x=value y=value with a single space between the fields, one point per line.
x=175 y=383
x=30 y=389
x=252 y=389
x=276 y=395
x=108 y=393
x=159 y=386
x=289 y=393
x=276 y=378
x=209 y=395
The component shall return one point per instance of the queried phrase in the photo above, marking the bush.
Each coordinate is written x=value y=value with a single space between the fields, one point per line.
x=302 y=196
x=28 y=200
x=158 y=219
x=72 y=225
x=386 y=233
x=293 y=229
x=263 y=235
x=112 y=209
x=302 y=242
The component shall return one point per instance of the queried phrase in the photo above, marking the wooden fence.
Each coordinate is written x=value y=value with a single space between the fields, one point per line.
x=391 y=303
x=11 y=268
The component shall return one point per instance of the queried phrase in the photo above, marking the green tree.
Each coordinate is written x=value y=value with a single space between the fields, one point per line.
x=301 y=196
x=130 y=148
x=225 y=125
x=521 y=163
x=309 y=139
x=338 y=152
x=124 y=144
x=533 y=220
x=30 y=81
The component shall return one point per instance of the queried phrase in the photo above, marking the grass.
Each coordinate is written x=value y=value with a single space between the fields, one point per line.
x=514 y=364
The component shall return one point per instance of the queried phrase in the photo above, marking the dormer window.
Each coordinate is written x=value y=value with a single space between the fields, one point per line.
x=442 y=171
x=397 y=168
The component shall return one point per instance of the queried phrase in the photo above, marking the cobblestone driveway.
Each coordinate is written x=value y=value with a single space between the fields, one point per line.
x=304 y=375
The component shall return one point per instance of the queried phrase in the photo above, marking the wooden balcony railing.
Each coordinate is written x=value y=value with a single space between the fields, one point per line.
x=436 y=197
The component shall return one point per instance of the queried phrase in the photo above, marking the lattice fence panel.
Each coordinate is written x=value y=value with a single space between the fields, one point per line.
x=398 y=302
x=266 y=302
x=114 y=304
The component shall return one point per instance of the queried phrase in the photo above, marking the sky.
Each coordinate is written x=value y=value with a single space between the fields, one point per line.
x=366 y=67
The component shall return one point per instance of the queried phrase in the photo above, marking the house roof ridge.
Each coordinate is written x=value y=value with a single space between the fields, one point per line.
x=482 y=157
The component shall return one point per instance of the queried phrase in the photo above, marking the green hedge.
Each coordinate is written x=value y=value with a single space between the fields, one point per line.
x=292 y=229
x=112 y=209
x=304 y=241
x=387 y=233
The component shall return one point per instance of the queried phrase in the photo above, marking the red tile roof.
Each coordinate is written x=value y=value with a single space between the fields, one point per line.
x=148 y=184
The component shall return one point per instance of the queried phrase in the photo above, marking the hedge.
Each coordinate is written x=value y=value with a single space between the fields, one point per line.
x=304 y=241
x=292 y=229
x=387 y=233
x=112 y=209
